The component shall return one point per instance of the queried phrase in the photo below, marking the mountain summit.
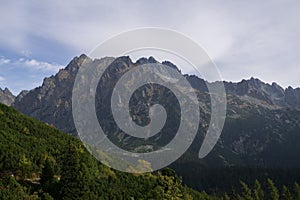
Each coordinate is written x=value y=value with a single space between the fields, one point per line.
x=266 y=94
x=6 y=97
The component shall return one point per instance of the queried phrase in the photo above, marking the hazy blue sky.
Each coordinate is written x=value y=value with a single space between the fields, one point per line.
x=244 y=38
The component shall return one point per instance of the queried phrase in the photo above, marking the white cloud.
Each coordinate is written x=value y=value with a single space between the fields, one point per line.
x=4 y=61
x=24 y=73
x=39 y=65
x=31 y=64
x=245 y=38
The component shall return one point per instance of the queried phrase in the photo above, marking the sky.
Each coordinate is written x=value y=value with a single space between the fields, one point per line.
x=243 y=38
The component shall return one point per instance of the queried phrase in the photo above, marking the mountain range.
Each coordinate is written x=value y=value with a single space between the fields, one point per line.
x=262 y=126
x=250 y=90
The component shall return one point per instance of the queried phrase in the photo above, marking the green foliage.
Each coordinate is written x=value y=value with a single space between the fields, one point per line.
x=74 y=182
x=226 y=197
x=47 y=179
x=286 y=195
x=24 y=166
x=273 y=191
x=297 y=191
x=257 y=191
x=247 y=193
x=24 y=141
x=12 y=190
x=31 y=150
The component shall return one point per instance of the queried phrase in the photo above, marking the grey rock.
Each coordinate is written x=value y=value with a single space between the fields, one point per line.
x=6 y=97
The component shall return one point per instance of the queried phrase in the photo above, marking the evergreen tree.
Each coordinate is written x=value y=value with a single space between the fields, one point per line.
x=74 y=183
x=258 y=192
x=247 y=194
x=297 y=191
x=25 y=167
x=47 y=176
x=47 y=181
x=235 y=196
x=169 y=187
x=286 y=195
x=273 y=191
x=226 y=197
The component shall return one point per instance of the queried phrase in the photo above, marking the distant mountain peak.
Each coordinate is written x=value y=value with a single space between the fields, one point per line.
x=6 y=90
x=144 y=60
x=76 y=62
x=6 y=97
x=273 y=94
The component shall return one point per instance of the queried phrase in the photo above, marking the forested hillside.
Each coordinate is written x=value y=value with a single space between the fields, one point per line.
x=38 y=161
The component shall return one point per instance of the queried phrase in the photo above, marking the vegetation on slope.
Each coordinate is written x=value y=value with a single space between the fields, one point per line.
x=39 y=162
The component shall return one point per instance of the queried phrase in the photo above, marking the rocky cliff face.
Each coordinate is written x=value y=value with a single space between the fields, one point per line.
x=262 y=119
x=51 y=102
x=6 y=97
x=272 y=95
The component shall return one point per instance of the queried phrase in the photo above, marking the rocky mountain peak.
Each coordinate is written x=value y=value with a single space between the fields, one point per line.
x=257 y=91
x=168 y=63
x=126 y=60
x=6 y=97
x=76 y=62
x=6 y=90
x=292 y=97
x=144 y=60
x=254 y=81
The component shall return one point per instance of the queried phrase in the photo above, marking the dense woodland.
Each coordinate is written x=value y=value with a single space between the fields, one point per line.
x=39 y=162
